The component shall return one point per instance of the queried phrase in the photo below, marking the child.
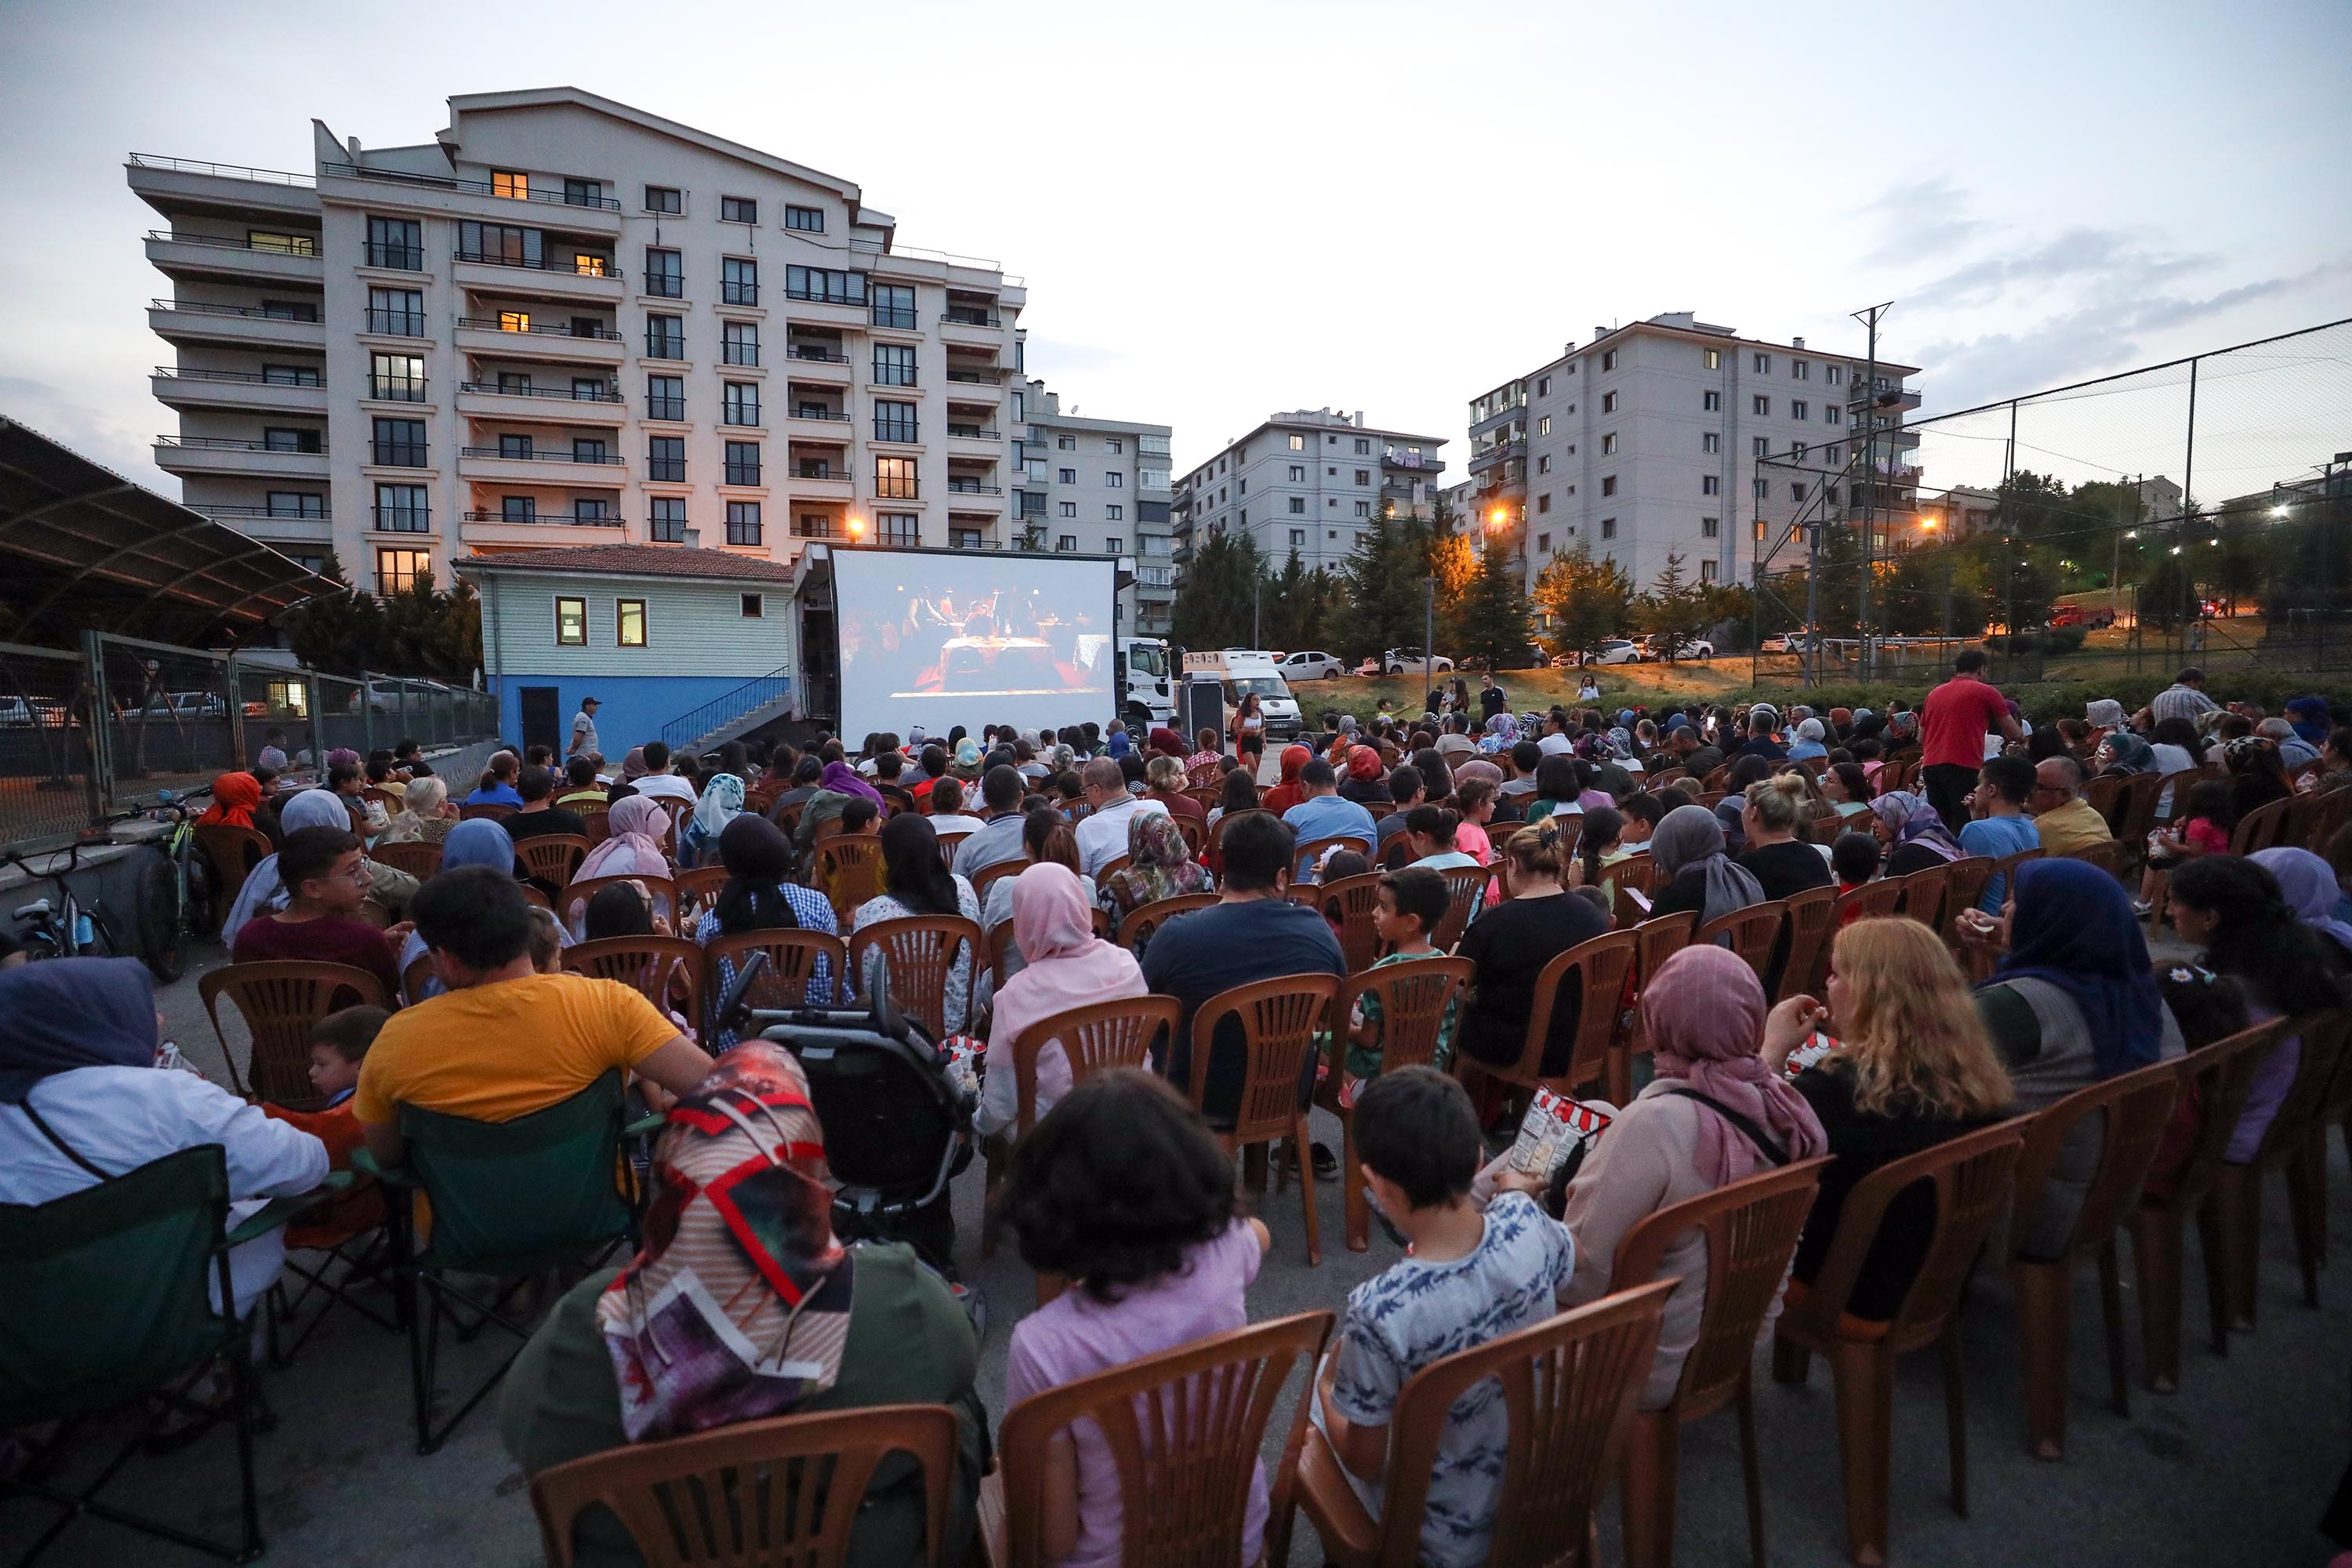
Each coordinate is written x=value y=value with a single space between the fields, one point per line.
x=858 y=815
x=1641 y=812
x=1122 y=1189
x=1411 y=905
x=338 y=1044
x=1600 y=846
x=546 y=941
x=1469 y=1277
x=1853 y=857
x=2202 y=827
x=1477 y=800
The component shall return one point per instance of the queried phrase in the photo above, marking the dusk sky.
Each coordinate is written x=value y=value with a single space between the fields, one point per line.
x=1225 y=210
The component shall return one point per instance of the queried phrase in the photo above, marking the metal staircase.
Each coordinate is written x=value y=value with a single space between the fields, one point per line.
x=730 y=714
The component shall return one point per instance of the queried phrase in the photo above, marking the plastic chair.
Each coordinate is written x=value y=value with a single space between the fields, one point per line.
x=413 y=856
x=1923 y=895
x=1280 y=1021
x=1135 y=928
x=2132 y=1110
x=1195 y=832
x=1569 y=1386
x=1752 y=933
x=552 y=857
x=1964 y=888
x=2172 y=790
x=235 y=852
x=918 y=952
x=948 y=843
x=848 y=872
x=1352 y=899
x=1112 y=868
x=2004 y=872
x=280 y=1001
x=413 y=979
x=658 y=968
x=986 y=878
x=2220 y=1076
x=1412 y=997
x=1600 y=966
x=1185 y=1428
x=1311 y=851
x=1216 y=850
x=1637 y=873
x=510 y=1200
x=1464 y=886
x=2292 y=1144
x=805 y=969
x=1971 y=1175
x=1000 y=946
x=1810 y=917
x=787 y=1489
x=572 y=908
x=697 y=891
x=1657 y=939
x=2104 y=795
x=1751 y=1229
x=596 y=819
x=2106 y=855
x=485 y=810
x=2262 y=827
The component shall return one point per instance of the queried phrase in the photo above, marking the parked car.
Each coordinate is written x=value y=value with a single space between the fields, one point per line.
x=38 y=713
x=1311 y=666
x=1616 y=650
x=382 y=696
x=183 y=705
x=1398 y=661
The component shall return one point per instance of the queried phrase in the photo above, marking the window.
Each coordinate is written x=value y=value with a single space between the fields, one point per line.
x=511 y=509
x=1363 y=476
x=1711 y=402
x=894 y=306
x=964 y=538
x=514 y=447
x=1543 y=543
x=742 y=463
x=1710 y=484
x=583 y=192
x=739 y=280
x=1834 y=374
x=1065 y=475
x=295 y=503
x=1543 y=502
x=1761 y=488
x=1763 y=364
x=1832 y=494
x=665 y=278
x=1834 y=455
x=1066 y=508
x=1114 y=512
x=1066 y=443
x=291 y=376
x=1363 y=447
x=289 y=311
x=901 y=528
x=1797 y=493
x=588 y=389
x=1832 y=414
x=743 y=525
x=894 y=365
x=1759 y=447
x=665 y=337
x=740 y=401
x=740 y=342
x=1543 y=463
x=629 y=622
x=514 y=320
x=398 y=571
x=399 y=443
x=402 y=508
x=808 y=220
x=1608 y=402
x=1609 y=445
x=1114 y=547
x=1609 y=484
x=1298 y=473
x=667 y=520
x=666 y=458
x=1297 y=538
x=571 y=623
x=826 y=287
x=1608 y=528
x=1707 y=570
x=510 y=183
x=1543 y=425
x=1298 y=505
x=1543 y=386
x=1710 y=527
x=399 y=313
x=754 y=605
x=1713 y=358
x=737 y=209
x=396 y=242
x=895 y=479
x=1364 y=509
x=1761 y=529
x=1066 y=542
x=665 y=397
x=1760 y=403
x=1609 y=360
x=1114 y=444
x=1298 y=443
x=1797 y=450
x=895 y=421
x=1112 y=480
x=396 y=378
x=1797 y=406
x=1710 y=442
x=664 y=199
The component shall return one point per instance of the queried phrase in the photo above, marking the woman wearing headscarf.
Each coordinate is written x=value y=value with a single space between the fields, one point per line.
x=1282 y=797
x=633 y=765
x=722 y=1320
x=79 y=1088
x=1808 y=741
x=721 y=803
x=1167 y=742
x=263 y=892
x=2104 y=714
x=758 y=857
x=2257 y=775
x=965 y=763
x=478 y=842
x=836 y=786
x=1694 y=870
x=1361 y=779
x=425 y=815
x=635 y=827
x=1502 y=734
x=1914 y=832
x=2122 y=754
x=235 y=797
x=1160 y=866
x=915 y=881
x=2308 y=885
x=1064 y=966
x=1704 y=1015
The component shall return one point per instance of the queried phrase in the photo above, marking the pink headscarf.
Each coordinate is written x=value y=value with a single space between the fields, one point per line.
x=638 y=824
x=842 y=779
x=1068 y=966
x=1704 y=1012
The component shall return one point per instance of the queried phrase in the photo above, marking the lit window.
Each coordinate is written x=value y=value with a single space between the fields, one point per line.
x=510 y=183
x=629 y=622
x=571 y=623
x=1298 y=443
x=514 y=320
x=397 y=571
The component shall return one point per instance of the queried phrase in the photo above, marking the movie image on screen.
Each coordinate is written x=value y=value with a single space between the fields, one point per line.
x=945 y=639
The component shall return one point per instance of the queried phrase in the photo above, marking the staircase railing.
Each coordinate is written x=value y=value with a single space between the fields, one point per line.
x=727 y=707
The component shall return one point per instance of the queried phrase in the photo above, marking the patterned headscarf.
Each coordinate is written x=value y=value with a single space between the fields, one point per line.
x=722 y=798
x=1159 y=863
x=1502 y=734
x=1914 y=821
x=738 y=1308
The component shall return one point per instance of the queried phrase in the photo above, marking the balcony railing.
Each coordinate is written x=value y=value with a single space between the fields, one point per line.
x=666 y=285
x=824 y=414
x=396 y=324
x=245 y=377
x=451 y=183
x=814 y=528
x=398 y=455
x=396 y=389
x=398 y=257
x=816 y=356
x=973 y=488
x=602 y=395
x=568 y=519
x=969 y=319
x=215 y=242
x=890 y=316
x=978 y=377
x=226 y=444
x=738 y=293
x=582 y=267
x=974 y=433
x=548 y=328
x=536 y=455
x=403 y=518
x=225 y=171
x=740 y=353
x=259 y=312
x=325 y=514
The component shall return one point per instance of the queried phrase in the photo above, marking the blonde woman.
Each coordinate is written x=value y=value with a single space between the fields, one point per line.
x=1914 y=1067
x=426 y=815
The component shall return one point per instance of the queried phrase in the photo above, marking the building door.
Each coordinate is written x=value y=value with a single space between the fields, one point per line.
x=542 y=718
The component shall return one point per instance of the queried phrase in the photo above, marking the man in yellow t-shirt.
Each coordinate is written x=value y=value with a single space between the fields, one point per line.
x=505 y=1040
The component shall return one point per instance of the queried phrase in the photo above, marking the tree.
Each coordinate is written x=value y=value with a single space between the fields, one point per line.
x=1489 y=621
x=1673 y=611
x=1587 y=599
x=420 y=631
x=1217 y=605
x=1380 y=588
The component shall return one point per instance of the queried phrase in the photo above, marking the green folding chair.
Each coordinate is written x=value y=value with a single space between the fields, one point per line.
x=109 y=1300
x=509 y=1201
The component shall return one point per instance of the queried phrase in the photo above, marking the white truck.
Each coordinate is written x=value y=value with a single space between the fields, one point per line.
x=1146 y=695
x=1242 y=674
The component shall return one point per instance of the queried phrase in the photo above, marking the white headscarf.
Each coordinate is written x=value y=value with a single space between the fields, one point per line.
x=263 y=892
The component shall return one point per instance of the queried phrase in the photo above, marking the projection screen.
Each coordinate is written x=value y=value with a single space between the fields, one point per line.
x=941 y=639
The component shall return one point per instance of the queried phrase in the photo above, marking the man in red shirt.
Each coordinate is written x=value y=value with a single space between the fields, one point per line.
x=1953 y=724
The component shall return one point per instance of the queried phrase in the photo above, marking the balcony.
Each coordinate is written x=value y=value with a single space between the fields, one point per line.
x=242 y=390
x=816 y=366
x=173 y=186
x=802 y=423
x=541 y=406
x=202 y=455
x=811 y=308
x=400 y=518
x=279 y=528
x=992 y=378
x=1501 y=452
x=834 y=484
x=542 y=466
x=569 y=279
x=973 y=441
x=549 y=341
x=972 y=327
x=398 y=190
x=544 y=529
x=203 y=256
x=972 y=488
x=1894 y=400
x=235 y=326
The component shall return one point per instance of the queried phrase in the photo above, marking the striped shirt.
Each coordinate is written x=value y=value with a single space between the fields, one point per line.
x=2179 y=701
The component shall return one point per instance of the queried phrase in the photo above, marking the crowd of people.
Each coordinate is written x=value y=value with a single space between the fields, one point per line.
x=1120 y=1187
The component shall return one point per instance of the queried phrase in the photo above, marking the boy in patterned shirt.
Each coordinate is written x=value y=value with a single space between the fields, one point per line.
x=1469 y=1278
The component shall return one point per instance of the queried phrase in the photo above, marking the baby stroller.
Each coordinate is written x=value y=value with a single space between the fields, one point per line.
x=898 y=1125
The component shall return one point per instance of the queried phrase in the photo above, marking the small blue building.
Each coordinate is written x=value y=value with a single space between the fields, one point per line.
x=674 y=642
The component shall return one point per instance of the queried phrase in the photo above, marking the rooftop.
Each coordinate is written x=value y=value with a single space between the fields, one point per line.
x=635 y=561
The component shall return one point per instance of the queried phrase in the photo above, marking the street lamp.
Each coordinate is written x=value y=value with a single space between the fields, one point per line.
x=856 y=528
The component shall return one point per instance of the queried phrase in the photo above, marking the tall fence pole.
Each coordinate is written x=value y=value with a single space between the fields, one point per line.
x=97 y=733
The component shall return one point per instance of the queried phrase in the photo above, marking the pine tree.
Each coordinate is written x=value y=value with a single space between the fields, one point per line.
x=1218 y=599
x=1673 y=611
x=1490 y=621
x=1589 y=600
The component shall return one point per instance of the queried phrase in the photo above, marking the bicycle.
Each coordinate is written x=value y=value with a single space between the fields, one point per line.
x=66 y=929
x=171 y=886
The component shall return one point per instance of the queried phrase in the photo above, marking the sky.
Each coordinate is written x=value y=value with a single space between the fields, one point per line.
x=1221 y=211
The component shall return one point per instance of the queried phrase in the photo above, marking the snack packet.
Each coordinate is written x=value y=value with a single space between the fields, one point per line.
x=1555 y=1130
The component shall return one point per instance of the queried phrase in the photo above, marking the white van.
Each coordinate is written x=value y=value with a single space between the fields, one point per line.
x=1241 y=673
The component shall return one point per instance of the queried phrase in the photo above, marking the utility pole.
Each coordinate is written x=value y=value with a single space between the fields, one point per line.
x=1428 y=631
x=1257 y=590
x=1869 y=318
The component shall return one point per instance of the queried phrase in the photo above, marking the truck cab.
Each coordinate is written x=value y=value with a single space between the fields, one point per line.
x=1147 y=697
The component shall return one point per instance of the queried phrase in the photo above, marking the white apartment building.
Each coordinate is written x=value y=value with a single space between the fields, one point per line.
x=1673 y=435
x=1096 y=485
x=1307 y=481
x=563 y=321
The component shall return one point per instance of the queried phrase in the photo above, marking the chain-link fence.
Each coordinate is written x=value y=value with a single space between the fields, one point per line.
x=48 y=784
x=2194 y=511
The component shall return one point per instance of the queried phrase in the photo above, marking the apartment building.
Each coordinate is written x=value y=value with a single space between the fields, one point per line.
x=1090 y=484
x=566 y=321
x=1308 y=481
x=1673 y=435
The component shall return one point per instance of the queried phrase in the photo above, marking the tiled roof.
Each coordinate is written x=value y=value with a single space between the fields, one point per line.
x=637 y=560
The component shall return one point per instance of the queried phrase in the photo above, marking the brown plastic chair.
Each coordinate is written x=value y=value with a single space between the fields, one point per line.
x=235 y=851
x=948 y=843
x=1464 y=886
x=697 y=891
x=413 y=856
x=2132 y=1110
x=1753 y=933
x=279 y=1000
x=1140 y=922
x=1751 y=1229
x=666 y=970
x=783 y=1491
x=1280 y=1020
x=1971 y=1176
x=1353 y=899
x=1601 y=965
x=2294 y=1144
x=2004 y=871
x=1810 y=914
x=2220 y=1076
x=1112 y=868
x=2179 y=785
x=848 y=872
x=413 y=979
x=2261 y=828
x=2105 y=794
x=1185 y=1428
x=1413 y=995
x=1923 y=895
x=793 y=955
x=999 y=943
x=572 y=908
x=2141 y=792
x=552 y=857
x=1658 y=939
x=596 y=822
x=1636 y=873
x=2106 y=853
x=487 y=810
x=982 y=881
x=1311 y=851
x=920 y=951
x=1964 y=884
x=1569 y=1385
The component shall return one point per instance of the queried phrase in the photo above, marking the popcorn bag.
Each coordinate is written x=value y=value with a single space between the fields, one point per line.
x=1555 y=1131
x=1816 y=1047
x=963 y=1054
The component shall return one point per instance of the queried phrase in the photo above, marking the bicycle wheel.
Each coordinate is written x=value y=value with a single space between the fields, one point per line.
x=159 y=919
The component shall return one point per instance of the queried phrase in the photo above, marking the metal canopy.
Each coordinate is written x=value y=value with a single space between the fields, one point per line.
x=83 y=549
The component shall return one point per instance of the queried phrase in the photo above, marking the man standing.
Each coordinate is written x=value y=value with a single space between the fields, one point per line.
x=1956 y=716
x=1102 y=833
x=2184 y=699
x=2004 y=785
x=1491 y=700
x=583 y=729
x=2064 y=821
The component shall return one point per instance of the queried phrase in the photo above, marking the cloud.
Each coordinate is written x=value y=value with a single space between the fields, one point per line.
x=1924 y=218
x=100 y=436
